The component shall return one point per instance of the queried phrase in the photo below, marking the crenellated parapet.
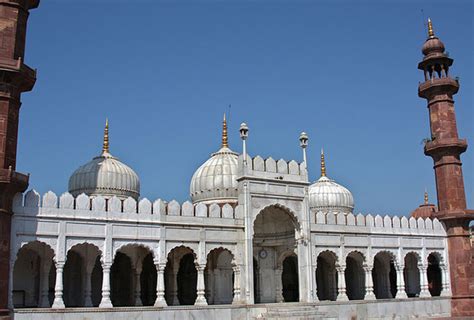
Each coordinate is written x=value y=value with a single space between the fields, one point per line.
x=67 y=206
x=273 y=169
x=376 y=223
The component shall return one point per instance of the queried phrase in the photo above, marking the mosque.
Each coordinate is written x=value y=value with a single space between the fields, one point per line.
x=256 y=240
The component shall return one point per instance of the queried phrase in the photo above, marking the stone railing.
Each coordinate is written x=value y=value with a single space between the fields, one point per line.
x=378 y=222
x=31 y=203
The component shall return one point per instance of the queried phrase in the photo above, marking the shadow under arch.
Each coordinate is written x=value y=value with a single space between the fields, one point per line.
x=83 y=275
x=34 y=275
x=275 y=229
x=326 y=275
x=355 y=275
x=384 y=275
x=411 y=273
x=219 y=276
x=181 y=276
x=133 y=276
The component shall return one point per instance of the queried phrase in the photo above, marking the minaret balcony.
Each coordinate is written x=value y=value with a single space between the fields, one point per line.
x=436 y=86
x=439 y=147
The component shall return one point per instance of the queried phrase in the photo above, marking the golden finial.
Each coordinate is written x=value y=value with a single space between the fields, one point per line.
x=426 y=197
x=225 y=143
x=323 y=164
x=105 y=146
x=430 y=29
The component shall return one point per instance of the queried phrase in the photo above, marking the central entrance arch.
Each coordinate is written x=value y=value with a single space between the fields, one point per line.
x=275 y=254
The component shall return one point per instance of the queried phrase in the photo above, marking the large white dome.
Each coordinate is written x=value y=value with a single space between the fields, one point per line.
x=216 y=179
x=327 y=195
x=105 y=175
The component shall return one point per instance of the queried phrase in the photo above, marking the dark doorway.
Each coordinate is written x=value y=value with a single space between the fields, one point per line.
x=289 y=279
x=148 y=281
x=187 y=280
x=434 y=276
x=256 y=282
x=121 y=281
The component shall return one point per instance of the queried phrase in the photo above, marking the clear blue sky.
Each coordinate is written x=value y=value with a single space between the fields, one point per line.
x=164 y=72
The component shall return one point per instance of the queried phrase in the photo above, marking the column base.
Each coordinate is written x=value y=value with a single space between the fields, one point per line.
x=401 y=295
x=370 y=296
x=425 y=294
x=200 y=301
x=342 y=297
x=446 y=293
x=105 y=303
x=58 y=303
x=160 y=302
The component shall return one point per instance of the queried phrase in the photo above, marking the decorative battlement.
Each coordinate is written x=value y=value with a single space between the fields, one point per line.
x=270 y=169
x=387 y=222
x=31 y=203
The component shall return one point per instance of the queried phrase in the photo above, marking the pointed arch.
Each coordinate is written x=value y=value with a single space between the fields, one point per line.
x=326 y=275
x=411 y=273
x=384 y=274
x=219 y=276
x=34 y=273
x=355 y=275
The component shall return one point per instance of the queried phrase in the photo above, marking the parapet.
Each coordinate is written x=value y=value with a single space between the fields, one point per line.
x=270 y=169
x=380 y=224
x=83 y=206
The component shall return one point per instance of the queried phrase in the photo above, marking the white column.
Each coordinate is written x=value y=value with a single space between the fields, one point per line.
x=105 y=302
x=174 y=290
x=315 y=284
x=446 y=292
x=44 y=284
x=401 y=293
x=160 y=285
x=237 y=298
x=278 y=286
x=341 y=285
x=369 y=284
x=200 y=299
x=424 y=282
x=88 y=286
x=138 y=287
x=58 y=289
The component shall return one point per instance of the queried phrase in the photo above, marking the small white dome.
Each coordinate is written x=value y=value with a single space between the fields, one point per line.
x=105 y=175
x=327 y=195
x=216 y=179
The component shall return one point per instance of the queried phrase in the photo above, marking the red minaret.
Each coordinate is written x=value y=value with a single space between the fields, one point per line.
x=445 y=147
x=15 y=78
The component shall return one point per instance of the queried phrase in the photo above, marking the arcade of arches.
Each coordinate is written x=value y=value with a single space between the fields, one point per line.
x=39 y=280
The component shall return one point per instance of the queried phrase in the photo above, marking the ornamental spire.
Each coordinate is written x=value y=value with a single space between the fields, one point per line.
x=105 y=146
x=430 y=29
x=225 y=143
x=426 y=197
x=323 y=164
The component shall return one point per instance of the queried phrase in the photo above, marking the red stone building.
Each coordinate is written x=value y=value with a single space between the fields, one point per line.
x=15 y=77
x=445 y=147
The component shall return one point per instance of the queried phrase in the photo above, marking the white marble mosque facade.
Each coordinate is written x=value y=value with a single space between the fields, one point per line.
x=270 y=244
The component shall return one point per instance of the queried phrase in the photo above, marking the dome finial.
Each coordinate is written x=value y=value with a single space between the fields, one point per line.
x=225 y=143
x=105 y=146
x=426 y=197
x=430 y=29
x=323 y=164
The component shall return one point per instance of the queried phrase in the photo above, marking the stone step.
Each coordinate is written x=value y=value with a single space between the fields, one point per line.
x=292 y=312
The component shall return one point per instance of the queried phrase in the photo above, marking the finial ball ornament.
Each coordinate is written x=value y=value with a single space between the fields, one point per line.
x=244 y=131
x=303 y=140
